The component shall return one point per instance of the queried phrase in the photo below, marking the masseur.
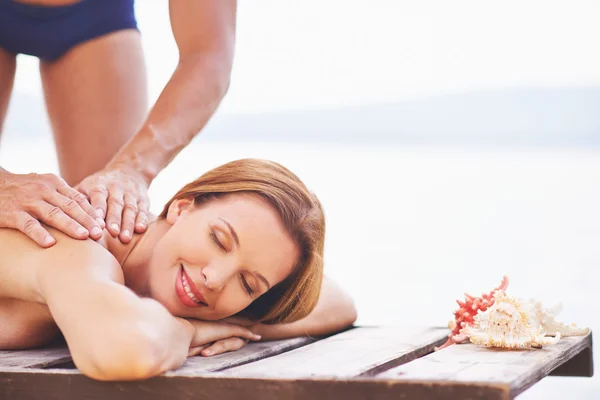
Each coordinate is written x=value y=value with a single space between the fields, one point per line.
x=94 y=80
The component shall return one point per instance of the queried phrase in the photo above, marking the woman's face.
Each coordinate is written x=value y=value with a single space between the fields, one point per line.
x=216 y=258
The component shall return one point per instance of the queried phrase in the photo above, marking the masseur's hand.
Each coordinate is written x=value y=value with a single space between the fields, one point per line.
x=25 y=200
x=120 y=196
x=216 y=337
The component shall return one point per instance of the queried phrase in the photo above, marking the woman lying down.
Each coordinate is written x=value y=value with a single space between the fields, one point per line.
x=236 y=255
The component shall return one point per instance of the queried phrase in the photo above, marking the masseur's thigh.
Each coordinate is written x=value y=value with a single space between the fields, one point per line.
x=8 y=65
x=96 y=100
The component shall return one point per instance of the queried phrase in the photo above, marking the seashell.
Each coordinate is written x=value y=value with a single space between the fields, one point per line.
x=547 y=319
x=463 y=317
x=513 y=323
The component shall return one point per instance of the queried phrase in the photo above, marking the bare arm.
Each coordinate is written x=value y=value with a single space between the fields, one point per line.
x=204 y=32
x=111 y=332
x=334 y=311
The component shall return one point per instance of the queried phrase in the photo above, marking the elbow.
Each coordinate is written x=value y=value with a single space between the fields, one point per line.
x=212 y=71
x=136 y=358
x=223 y=85
x=342 y=318
x=350 y=314
x=346 y=312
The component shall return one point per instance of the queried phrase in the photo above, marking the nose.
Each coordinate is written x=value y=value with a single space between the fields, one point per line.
x=217 y=274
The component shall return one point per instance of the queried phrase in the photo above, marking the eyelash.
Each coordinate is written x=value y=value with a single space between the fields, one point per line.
x=246 y=286
x=213 y=237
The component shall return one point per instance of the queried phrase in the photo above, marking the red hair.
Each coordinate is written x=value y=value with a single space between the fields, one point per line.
x=302 y=216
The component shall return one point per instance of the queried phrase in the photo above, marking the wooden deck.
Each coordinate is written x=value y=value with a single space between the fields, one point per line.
x=361 y=363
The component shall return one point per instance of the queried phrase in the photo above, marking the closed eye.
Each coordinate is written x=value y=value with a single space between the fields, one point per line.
x=215 y=239
x=246 y=286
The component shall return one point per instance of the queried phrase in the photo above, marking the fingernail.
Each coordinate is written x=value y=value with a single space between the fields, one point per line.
x=140 y=225
x=48 y=240
x=257 y=337
x=114 y=227
x=82 y=231
x=96 y=231
x=126 y=233
x=207 y=352
x=100 y=222
x=100 y=213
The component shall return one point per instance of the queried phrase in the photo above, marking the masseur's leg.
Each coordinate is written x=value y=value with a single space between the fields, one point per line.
x=96 y=99
x=8 y=64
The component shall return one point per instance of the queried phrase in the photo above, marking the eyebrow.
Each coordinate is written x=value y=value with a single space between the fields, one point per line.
x=262 y=278
x=232 y=231
x=237 y=242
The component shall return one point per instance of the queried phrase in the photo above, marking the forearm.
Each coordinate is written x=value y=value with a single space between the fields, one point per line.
x=334 y=311
x=111 y=332
x=182 y=110
x=125 y=338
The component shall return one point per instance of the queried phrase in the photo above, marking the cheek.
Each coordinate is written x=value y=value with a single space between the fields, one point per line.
x=162 y=268
x=176 y=245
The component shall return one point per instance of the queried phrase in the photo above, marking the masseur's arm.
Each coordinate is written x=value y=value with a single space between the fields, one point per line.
x=204 y=32
x=111 y=332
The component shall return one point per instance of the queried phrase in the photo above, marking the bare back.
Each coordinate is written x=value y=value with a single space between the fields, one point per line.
x=25 y=319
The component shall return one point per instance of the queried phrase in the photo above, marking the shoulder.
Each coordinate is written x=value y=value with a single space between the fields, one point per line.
x=26 y=265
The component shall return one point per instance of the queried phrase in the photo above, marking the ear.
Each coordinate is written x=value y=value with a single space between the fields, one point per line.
x=177 y=208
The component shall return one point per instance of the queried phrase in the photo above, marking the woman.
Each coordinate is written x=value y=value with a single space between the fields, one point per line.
x=244 y=240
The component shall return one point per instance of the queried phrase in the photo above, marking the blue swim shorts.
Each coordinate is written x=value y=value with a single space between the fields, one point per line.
x=48 y=32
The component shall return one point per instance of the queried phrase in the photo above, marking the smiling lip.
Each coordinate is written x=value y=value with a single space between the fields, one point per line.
x=180 y=291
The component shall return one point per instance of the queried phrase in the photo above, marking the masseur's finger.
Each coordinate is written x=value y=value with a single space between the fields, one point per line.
x=114 y=212
x=130 y=211
x=98 y=196
x=141 y=221
x=55 y=216
x=32 y=228
x=72 y=208
x=83 y=203
x=223 y=346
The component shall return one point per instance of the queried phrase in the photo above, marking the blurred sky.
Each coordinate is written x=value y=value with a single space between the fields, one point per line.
x=315 y=54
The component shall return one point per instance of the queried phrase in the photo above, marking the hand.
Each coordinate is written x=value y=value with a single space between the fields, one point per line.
x=27 y=199
x=216 y=337
x=121 y=196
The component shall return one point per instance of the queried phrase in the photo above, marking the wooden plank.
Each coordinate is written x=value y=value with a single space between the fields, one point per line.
x=580 y=365
x=499 y=375
x=358 y=352
x=35 y=358
x=68 y=384
x=249 y=353
x=517 y=370
x=59 y=357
